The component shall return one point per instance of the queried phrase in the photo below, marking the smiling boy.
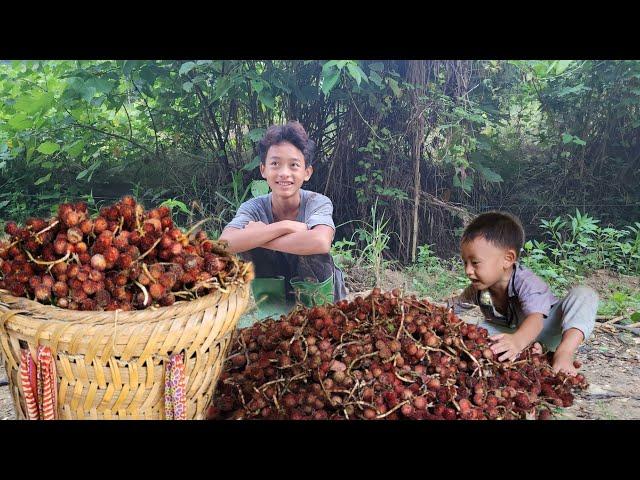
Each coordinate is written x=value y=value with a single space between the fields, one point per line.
x=289 y=231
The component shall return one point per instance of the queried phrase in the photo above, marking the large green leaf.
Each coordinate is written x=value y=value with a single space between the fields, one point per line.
x=257 y=85
x=356 y=72
x=48 y=148
x=20 y=121
x=223 y=84
x=252 y=164
x=99 y=85
x=35 y=102
x=562 y=65
x=328 y=82
x=375 y=78
x=395 y=87
x=259 y=187
x=186 y=68
x=489 y=174
x=266 y=98
x=256 y=134
x=129 y=65
x=75 y=148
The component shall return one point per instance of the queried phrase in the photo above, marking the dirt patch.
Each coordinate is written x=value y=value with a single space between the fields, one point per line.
x=605 y=281
x=611 y=364
x=6 y=403
x=359 y=281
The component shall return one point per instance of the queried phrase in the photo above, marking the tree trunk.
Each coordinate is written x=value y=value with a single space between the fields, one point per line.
x=417 y=75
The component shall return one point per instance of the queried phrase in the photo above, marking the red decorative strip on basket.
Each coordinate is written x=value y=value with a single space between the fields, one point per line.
x=29 y=383
x=175 y=401
x=47 y=374
x=39 y=384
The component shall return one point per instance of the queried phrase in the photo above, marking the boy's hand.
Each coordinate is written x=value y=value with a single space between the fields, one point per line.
x=508 y=344
x=296 y=226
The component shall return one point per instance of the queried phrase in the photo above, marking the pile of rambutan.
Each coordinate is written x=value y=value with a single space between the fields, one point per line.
x=125 y=258
x=382 y=357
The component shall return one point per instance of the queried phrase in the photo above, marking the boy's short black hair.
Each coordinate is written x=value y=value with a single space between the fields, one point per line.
x=292 y=132
x=499 y=228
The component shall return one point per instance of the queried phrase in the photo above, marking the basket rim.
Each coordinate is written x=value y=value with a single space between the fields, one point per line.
x=54 y=313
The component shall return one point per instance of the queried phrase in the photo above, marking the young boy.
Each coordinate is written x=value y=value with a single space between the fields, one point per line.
x=518 y=306
x=288 y=232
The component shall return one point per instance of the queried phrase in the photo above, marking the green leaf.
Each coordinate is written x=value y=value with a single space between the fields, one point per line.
x=328 y=66
x=187 y=86
x=4 y=203
x=48 y=148
x=74 y=149
x=256 y=134
x=259 y=187
x=489 y=174
x=186 y=68
x=252 y=164
x=578 y=141
x=99 y=85
x=128 y=66
x=354 y=72
x=176 y=203
x=377 y=66
x=354 y=69
x=42 y=180
x=375 y=78
x=89 y=171
x=223 y=84
x=36 y=102
x=466 y=185
x=149 y=73
x=330 y=81
x=393 y=84
x=257 y=85
x=266 y=98
x=635 y=316
x=566 y=138
x=562 y=65
x=20 y=121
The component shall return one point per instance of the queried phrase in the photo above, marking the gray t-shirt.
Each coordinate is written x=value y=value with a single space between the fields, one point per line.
x=315 y=209
x=527 y=293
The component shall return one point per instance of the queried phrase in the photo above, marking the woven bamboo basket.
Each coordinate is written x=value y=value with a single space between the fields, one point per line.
x=111 y=365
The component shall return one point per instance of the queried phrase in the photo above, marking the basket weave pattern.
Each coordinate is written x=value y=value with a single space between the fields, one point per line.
x=111 y=365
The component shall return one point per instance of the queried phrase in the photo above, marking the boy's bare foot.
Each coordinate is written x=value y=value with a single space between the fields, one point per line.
x=563 y=361
x=536 y=349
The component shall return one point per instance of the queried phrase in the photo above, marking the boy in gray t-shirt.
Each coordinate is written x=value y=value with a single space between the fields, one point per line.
x=517 y=305
x=289 y=231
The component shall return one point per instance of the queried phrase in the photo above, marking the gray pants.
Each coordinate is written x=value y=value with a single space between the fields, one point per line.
x=577 y=310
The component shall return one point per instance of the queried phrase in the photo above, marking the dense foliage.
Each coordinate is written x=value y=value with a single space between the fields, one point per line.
x=537 y=138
